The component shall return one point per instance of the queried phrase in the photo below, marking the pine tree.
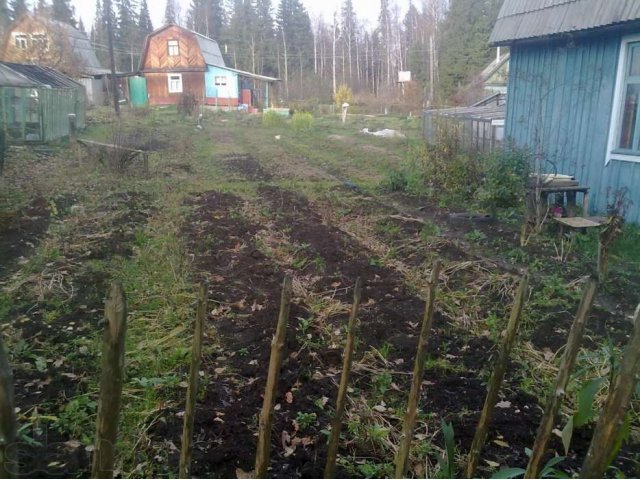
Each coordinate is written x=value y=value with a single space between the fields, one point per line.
x=17 y=8
x=170 y=12
x=465 y=50
x=62 y=11
x=127 y=37
x=265 y=32
x=144 y=20
x=81 y=26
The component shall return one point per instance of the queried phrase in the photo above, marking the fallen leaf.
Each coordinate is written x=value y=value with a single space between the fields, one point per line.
x=72 y=444
x=220 y=371
x=240 y=473
x=288 y=397
x=501 y=443
x=548 y=354
x=380 y=408
x=492 y=464
x=503 y=404
x=256 y=307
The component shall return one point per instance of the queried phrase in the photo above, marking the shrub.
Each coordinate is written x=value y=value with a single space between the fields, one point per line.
x=343 y=94
x=271 y=119
x=301 y=121
x=188 y=104
x=505 y=179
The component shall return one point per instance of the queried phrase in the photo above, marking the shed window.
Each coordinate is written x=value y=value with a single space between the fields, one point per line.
x=21 y=41
x=221 y=81
x=624 y=134
x=173 y=48
x=175 y=83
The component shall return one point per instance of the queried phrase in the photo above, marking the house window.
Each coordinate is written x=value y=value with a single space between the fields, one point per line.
x=221 y=81
x=39 y=41
x=624 y=132
x=21 y=41
x=173 y=48
x=175 y=83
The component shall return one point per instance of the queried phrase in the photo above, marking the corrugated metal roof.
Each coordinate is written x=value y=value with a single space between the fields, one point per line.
x=11 y=78
x=489 y=112
x=80 y=45
x=526 y=19
x=210 y=50
x=42 y=76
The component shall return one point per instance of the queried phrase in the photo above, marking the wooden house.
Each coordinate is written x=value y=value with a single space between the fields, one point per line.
x=176 y=61
x=574 y=91
x=39 y=40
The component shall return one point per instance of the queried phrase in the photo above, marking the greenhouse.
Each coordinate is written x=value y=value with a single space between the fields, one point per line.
x=35 y=103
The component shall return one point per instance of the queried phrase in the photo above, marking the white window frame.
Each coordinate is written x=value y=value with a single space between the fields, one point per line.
x=220 y=81
x=171 y=44
x=617 y=110
x=21 y=41
x=175 y=77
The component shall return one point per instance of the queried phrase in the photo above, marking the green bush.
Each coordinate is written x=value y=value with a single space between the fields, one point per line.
x=301 y=121
x=271 y=119
x=505 y=179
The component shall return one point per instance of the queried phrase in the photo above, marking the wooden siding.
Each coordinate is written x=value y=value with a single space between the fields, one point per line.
x=158 y=87
x=157 y=54
x=559 y=105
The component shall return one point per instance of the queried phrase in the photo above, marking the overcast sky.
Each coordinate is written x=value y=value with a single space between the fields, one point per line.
x=366 y=10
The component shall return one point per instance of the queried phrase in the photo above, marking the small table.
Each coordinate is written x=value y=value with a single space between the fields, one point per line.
x=575 y=223
x=570 y=192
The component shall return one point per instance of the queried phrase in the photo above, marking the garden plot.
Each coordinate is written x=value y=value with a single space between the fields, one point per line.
x=241 y=214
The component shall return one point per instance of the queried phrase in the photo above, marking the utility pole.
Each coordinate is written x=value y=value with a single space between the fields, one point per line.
x=112 y=59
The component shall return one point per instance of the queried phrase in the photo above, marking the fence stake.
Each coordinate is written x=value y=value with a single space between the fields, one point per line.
x=115 y=312
x=402 y=459
x=266 y=415
x=347 y=360
x=564 y=372
x=192 y=389
x=496 y=379
x=8 y=447
x=602 y=448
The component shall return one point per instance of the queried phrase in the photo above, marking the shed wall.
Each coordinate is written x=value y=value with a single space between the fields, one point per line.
x=559 y=106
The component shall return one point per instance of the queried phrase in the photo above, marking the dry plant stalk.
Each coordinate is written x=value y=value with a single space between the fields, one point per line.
x=601 y=450
x=557 y=395
x=8 y=447
x=402 y=458
x=266 y=415
x=115 y=312
x=336 y=426
x=192 y=389
x=496 y=379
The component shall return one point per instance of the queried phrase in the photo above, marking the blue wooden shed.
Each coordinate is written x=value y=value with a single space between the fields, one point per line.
x=574 y=91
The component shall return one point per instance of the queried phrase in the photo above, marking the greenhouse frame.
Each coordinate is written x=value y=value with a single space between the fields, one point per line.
x=35 y=103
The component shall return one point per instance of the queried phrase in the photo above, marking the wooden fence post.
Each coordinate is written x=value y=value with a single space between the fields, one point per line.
x=266 y=415
x=8 y=447
x=556 y=396
x=602 y=447
x=347 y=360
x=496 y=379
x=192 y=389
x=115 y=312
x=402 y=459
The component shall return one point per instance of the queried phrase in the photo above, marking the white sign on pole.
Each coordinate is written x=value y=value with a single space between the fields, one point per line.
x=404 y=76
